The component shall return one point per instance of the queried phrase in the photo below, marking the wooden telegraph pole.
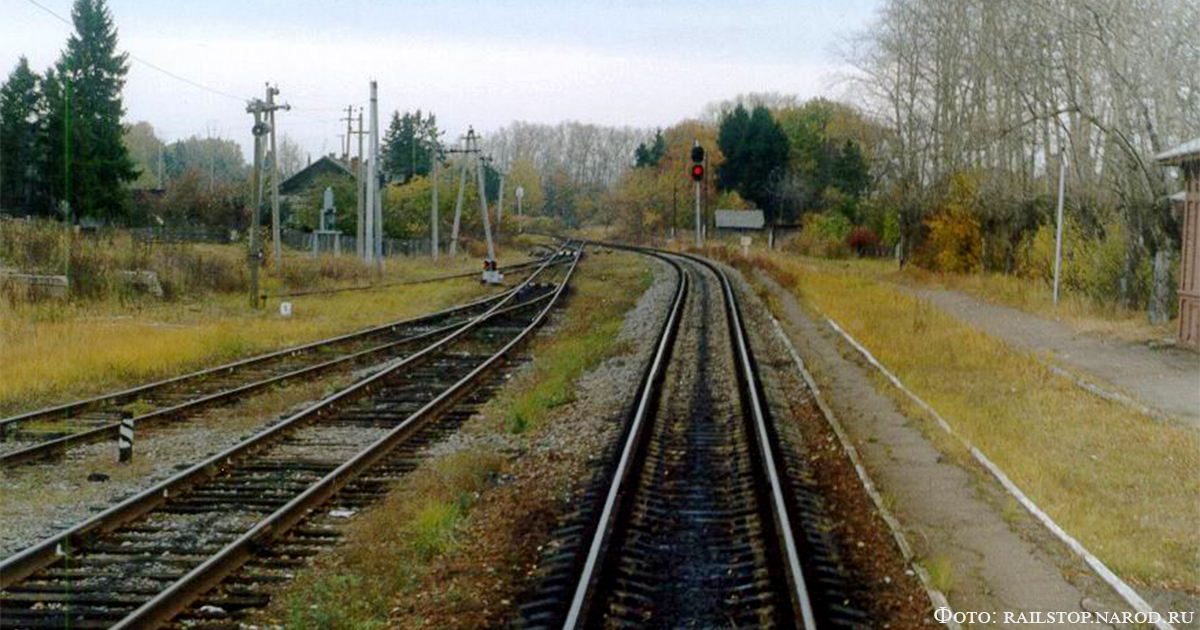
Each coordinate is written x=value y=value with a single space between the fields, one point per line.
x=469 y=148
x=433 y=218
x=487 y=224
x=277 y=250
x=254 y=255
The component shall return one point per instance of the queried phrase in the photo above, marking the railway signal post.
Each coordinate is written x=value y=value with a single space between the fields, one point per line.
x=697 y=179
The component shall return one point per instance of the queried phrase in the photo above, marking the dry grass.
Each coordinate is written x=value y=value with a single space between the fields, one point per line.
x=1025 y=294
x=54 y=352
x=1080 y=312
x=393 y=547
x=1126 y=487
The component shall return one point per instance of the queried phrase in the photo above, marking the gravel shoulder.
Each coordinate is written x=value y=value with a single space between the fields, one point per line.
x=40 y=500
x=986 y=552
x=498 y=553
x=1165 y=378
x=880 y=580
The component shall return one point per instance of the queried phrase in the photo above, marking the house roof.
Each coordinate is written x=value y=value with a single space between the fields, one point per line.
x=1183 y=153
x=324 y=165
x=741 y=219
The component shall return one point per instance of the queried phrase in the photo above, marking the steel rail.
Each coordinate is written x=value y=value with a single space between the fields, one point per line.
x=48 y=551
x=56 y=446
x=403 y=283
x=181 y=593
x=748 y=376
x=648 y=392
x=750 y=387
x=123 y=396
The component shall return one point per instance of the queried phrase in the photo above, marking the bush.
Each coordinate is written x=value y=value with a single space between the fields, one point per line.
x=1092 y=265
x=955 y=241
x=863 y=241
x=93 y=261
x=307 y=272
x=823 y=235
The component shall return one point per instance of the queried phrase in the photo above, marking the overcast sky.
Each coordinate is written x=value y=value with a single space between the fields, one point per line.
x=611 y=62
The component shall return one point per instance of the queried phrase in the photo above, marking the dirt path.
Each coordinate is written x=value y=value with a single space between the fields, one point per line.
x=1165 y=379
x=990 y=556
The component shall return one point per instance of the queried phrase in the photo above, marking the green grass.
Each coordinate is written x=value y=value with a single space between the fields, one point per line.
x=388 y=548
x=586 y=339
x=941 y=572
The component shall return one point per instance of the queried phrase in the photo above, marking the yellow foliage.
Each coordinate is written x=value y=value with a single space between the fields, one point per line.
x=955 y=242
x=1069 y=450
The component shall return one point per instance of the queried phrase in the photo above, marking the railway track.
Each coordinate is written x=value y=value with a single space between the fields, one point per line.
x=703 y=517
x=203 y=547
x=50 y=432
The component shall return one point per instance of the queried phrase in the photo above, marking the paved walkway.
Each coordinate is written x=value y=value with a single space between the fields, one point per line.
x=1165 y=379
x=991 y=558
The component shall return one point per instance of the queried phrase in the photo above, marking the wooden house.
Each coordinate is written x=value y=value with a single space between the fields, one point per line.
x=1187 y=157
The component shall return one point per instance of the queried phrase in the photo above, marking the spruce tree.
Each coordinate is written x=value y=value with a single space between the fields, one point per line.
x=86 y=160
x=756 y=154
x=408 y=144
x=21 y=109
x=650 y=155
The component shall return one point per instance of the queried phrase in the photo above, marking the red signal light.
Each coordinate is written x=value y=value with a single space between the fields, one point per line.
x=697 y=172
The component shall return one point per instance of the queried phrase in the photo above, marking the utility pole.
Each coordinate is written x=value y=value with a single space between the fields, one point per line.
x=500 y=206
x=256 y=107
x=373 y=203
x=697 y=178
x=212 y=161
x=349 y=120
x=161 y=185
x=487 y=224
x=433 y=219
x=370 y=183
x=674 y=207
x=1058 y=231
x=376 y=175
x=360 y=192
x=468 y=149
x=275 y=228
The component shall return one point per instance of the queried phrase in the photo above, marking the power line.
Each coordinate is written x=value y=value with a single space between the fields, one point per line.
x=144 y=62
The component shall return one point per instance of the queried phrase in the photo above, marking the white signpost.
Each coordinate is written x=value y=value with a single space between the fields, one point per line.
x=520 y=195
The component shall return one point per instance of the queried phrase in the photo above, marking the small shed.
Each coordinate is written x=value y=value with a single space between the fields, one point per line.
x=1187 y=157
x=733 y=221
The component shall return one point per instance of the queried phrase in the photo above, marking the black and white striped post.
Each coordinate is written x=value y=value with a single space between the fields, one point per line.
x=125 y=441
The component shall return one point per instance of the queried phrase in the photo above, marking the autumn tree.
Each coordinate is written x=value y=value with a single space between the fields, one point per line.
x=291 y=157
x=145 y=149
x=1006 y=92
x=216 y=159
x=827 y=168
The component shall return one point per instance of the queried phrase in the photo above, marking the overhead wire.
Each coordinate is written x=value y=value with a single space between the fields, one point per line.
x=200 y=86
x=146 y=62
